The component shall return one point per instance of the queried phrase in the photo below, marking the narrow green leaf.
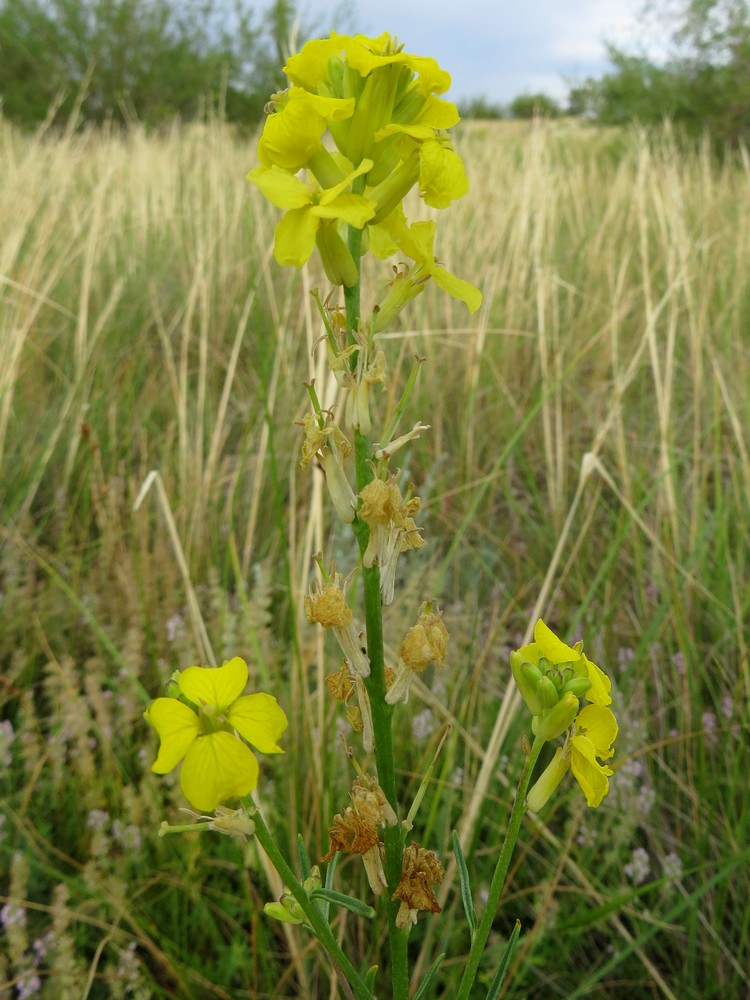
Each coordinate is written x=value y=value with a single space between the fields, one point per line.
x=341 y=899
x=463 y=878
x=370 y=978
x=304 y=858
x=510 y=948
x=330 y=872
x=427 y=981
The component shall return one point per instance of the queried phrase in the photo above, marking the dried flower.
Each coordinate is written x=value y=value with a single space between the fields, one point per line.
x=421 y=870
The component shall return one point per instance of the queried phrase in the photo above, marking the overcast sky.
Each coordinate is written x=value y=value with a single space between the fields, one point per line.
x=497 y=48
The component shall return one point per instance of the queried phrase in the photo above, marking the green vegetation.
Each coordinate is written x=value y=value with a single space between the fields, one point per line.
x=588 y=459
x=144 y=61
x=703 y=87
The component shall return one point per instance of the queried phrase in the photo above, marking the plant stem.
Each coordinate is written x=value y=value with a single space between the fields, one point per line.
x=310 y=909
x=381 y=711
x=501 y=870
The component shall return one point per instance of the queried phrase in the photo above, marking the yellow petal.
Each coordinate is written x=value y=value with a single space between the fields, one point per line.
x=458 y=288
x=442 y=177
x=217 y=767
x=553 y=648
x=333 y=109
x=530 y=653
x=418 y=132
x=330 y=194
x=177 y=726
x=601 y=685
x=295 y=237
x=282 y=189
x=261 y=721
x=215 y=686
x=291 y=136
x=309 y=67
x=588 y=772
x=599 y=725
x=437 y=113
x=351 y=208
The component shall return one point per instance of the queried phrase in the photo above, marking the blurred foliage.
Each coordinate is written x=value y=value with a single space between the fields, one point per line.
x=534 y=106
x=148 y=61
x=703 y=86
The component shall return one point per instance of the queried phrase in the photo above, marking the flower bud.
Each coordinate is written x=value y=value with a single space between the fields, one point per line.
x=279 y=912
x=550 y=778
x=336 y=257
x=547 y=693
x=577 y=686
x=557 y=719
x=526 y=676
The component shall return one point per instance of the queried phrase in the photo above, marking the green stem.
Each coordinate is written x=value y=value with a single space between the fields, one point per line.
x=310 y=909
x=501 y=870
x=381 y=711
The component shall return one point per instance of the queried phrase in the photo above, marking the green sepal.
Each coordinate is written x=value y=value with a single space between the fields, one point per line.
x=497 y=982
x=463 y=878
x=341 y=899
x=424 y=986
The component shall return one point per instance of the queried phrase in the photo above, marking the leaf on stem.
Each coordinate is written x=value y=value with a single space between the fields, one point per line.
x=423 y=990
x=463 y=878
x=341 y=899
x=497 y=982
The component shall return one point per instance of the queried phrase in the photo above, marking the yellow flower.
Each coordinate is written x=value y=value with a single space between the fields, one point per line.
x=217 y=765
x=546 y=644
x=417 y=241
x=595 y=731
x=311 y=66
x=442 y=177
x=308 y=209
x=292 y=132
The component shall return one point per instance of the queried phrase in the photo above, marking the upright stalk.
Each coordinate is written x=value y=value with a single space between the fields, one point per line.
x=313 y=914
x=375 y=683
x=501 y=870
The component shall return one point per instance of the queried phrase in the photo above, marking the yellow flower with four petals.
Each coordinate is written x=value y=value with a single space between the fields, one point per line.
x=203 y=733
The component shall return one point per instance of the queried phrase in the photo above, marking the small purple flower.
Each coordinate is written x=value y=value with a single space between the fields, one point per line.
x=28 y=985
x=13 y=915
x=42 y=946
x=679 y=661
x=98 y=820
x=727 y=706
x=639 y=866
x=672 y=865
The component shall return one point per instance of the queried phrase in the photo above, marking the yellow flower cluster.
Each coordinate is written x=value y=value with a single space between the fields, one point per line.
x=552 y=677
x=366 y=121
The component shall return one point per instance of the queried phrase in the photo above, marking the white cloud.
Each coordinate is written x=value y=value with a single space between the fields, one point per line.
x=497 y=48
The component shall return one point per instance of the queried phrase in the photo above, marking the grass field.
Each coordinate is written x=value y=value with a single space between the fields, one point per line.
x=589 y=460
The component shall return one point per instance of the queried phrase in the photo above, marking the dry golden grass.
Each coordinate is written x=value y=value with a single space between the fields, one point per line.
x=588 y=460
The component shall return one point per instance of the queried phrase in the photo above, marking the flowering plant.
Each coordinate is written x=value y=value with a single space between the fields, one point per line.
x=362 y=124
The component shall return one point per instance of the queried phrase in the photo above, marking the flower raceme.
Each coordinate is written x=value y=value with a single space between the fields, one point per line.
x=386 y=123
x=552 y=677
x=203 y=731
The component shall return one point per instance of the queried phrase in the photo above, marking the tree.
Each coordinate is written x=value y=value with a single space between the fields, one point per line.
x=534 y=106
x=703 y=86
x=145 y=60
